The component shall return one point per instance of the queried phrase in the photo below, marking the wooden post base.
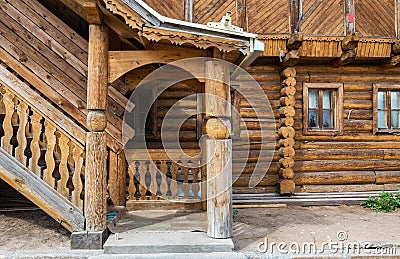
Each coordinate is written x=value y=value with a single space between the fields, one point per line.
x=219 y=188
x=89 y=240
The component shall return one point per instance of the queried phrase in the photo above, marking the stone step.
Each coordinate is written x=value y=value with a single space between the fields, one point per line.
x=153 y=242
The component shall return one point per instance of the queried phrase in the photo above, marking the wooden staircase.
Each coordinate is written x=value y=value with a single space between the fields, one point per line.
x=38 y=156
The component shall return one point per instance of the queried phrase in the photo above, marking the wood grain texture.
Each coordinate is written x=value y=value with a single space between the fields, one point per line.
x=380 y=22
x=323 y=17
x=169 y=8
x=269 y=16
x=213 y=10
x=96 y=181
x=219 y=190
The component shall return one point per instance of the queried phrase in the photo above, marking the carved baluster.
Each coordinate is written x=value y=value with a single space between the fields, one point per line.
x=35 y=148
x=174 y=183
x=77 y=155
x=49 y=157
x=164 y=183
x=142 y=173
x=195 y=183
x=8 y=99
x=22 y=112
x=131 y=186
x=153 y=179
x=63 y=167
x=185 y=184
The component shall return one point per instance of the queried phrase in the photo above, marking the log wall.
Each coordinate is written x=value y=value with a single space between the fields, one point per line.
x=358 y=160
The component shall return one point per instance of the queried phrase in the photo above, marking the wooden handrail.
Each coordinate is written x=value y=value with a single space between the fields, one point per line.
x=43 y=107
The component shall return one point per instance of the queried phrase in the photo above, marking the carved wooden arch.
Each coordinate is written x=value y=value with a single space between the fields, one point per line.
x=122 y=62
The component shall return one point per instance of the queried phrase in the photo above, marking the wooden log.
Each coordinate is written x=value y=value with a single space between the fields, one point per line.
x=288 y=72
x=97 y=67
x=219 y=188
x=346 y=58
x=287 y=142
x=96 y=182
x=350 y=165
x=287 y=121
x=338 y=177
x=286 y=152
x=290 y=81
x=288 y=91
x=286 y=132
x=286 y=186
x=326 y=188
x=288 y=101
x=286 y=173
x=291 y=58
x=339 y=154
x=384 y=177
x=287 y=111
x=350 y=42
x=394 y=145
x=295 y=41
x=96 y=142
x=286 y=162
x=217 y=92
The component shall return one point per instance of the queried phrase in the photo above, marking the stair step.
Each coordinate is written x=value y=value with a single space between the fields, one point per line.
x=139 y=242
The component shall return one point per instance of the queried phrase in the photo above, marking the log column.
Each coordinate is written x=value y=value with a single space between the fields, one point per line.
x=286 y=132
x=218 y=148
x=96 y=146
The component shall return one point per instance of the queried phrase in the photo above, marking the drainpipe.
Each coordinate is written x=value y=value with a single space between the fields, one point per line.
x=256 y=49
x=300 y=16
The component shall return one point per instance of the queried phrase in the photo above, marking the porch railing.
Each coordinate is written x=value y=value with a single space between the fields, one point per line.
x=158 y=175
x=34 y=137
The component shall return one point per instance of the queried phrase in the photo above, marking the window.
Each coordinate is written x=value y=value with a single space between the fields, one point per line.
x=386 y=99
x=143 y=116
x=322 y=106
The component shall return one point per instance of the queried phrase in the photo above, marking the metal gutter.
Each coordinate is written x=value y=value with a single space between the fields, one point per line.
x=154 y=19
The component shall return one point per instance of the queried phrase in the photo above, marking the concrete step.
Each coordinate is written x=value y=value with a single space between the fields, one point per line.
x=154 y=242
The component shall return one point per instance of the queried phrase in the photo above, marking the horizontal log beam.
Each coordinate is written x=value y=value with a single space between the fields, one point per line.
x=121 y=62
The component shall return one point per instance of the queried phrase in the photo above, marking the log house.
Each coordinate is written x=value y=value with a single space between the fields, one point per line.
x=68 y=69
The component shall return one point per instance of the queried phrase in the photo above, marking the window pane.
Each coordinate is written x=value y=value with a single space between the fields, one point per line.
x=313 y=99
x=313 y=119
x=327 y=100
x=395 y=119
x=381 y=100
x=395 y=99
x=382 y=124
x=327 y=120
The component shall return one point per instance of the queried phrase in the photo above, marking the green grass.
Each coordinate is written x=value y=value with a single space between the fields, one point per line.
x=385 y=202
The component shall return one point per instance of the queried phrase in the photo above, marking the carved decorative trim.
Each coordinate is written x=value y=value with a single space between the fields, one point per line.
x=202 y=42
x=131 y=18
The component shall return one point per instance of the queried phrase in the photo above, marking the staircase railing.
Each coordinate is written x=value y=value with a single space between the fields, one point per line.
x=41 y=137
x=163 y=176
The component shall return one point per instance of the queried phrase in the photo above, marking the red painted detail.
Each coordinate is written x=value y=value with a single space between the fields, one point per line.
x=350 y=17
